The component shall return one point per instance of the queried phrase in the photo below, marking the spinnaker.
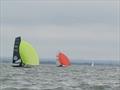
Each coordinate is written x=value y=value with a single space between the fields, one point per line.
x=63 y=59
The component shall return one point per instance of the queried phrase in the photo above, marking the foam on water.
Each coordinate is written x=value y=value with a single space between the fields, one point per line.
x=50 y=77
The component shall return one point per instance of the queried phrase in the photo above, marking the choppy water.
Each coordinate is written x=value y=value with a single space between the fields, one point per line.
x=50 y=77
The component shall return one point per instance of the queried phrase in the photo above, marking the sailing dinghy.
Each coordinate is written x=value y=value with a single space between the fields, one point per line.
x=63 y=60
x=24 y=54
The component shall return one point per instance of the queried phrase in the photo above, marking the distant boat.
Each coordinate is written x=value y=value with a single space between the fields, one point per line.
x=92 y=64
x=24 y=54
x=63 y=60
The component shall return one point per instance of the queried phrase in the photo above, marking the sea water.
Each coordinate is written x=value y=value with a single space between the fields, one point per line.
x=50 y=77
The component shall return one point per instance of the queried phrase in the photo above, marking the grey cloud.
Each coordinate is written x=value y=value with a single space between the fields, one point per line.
x=27 y=13
x=82 y=29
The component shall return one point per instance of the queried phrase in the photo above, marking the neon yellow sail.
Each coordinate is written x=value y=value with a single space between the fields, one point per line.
x=28 y=54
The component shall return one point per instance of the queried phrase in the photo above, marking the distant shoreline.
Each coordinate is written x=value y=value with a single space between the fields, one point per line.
x=80 y=62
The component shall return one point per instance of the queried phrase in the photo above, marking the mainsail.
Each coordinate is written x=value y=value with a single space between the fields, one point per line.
x=63 y=59
x=16 y=55
x=24 y=53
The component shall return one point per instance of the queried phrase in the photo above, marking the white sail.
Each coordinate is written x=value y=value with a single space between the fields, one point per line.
x=92 y=64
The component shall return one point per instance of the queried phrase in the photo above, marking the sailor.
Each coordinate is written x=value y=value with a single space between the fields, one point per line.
x=60 y=65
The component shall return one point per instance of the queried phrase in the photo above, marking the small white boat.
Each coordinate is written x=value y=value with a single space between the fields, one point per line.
x=92 y=64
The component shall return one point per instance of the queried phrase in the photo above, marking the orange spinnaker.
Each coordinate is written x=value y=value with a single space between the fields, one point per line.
x=63 y=59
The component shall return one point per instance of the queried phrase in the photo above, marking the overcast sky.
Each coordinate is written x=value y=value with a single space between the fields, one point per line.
x=83 y=29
